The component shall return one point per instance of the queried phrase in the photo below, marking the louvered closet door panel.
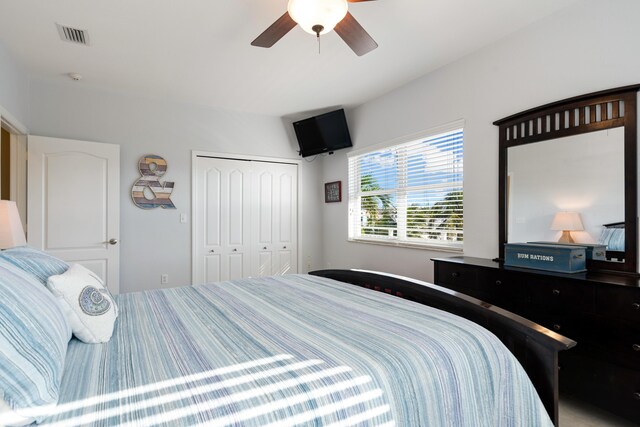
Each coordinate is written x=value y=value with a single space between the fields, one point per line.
x=222 y=219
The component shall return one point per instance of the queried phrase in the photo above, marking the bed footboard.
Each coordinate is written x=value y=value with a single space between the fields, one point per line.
x=535 y=346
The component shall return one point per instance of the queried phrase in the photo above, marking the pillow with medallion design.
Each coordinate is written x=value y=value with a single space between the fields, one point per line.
x=90 y=309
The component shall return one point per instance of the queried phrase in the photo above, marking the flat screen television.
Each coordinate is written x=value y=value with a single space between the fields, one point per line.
x=322 y=134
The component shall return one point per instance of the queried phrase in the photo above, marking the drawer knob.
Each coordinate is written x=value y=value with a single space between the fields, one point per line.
x=556 y=292
x=556 y=327
x=636 y=347
x=636 y=395
x=455 y=274
x=498 y=282
x=635 y=306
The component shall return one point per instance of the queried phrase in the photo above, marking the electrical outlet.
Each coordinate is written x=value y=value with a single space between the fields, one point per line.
x=164 y=279
x=183 y=218
x=308 y=263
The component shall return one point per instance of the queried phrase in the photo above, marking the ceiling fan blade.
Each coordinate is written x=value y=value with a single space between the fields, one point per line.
x=355 y=36
x=275 y=32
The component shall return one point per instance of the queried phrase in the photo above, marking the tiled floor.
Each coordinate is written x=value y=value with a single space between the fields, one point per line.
x=575 y=413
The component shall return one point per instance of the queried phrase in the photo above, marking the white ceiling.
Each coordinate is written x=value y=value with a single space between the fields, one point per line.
x=198 y=51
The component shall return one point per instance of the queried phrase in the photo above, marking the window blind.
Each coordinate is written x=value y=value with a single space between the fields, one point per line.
x=409 y=193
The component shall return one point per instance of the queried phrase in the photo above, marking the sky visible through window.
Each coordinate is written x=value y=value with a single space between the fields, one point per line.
x=383 y=167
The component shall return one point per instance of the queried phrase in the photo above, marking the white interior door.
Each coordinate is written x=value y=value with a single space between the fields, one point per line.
x=73 y=205
x=245 y=220
x=223 y=204
x=274 y=223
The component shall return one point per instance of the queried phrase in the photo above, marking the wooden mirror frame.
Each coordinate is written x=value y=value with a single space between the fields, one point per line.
x=576 y=116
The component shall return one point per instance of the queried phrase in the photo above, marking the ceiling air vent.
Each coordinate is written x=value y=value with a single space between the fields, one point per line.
x=73 y=35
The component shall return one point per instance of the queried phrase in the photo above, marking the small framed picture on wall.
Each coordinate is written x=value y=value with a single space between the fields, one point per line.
x=333 y=192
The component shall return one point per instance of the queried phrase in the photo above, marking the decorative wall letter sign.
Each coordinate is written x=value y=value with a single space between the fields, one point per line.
x=152 y=168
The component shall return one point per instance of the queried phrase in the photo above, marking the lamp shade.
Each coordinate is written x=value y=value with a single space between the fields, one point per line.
x=569 y=221
x=308 y=13
x=11 y=231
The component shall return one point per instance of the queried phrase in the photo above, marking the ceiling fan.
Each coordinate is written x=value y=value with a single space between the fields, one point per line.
x=318 y=17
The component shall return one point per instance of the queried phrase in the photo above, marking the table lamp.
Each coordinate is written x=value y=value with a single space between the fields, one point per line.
x=567 y=222
x=11 y=231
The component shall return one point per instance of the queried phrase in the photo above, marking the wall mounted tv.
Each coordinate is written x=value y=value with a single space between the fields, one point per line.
x=322 y=134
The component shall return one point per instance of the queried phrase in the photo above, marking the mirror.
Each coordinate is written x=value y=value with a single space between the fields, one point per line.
x=581 y=173
x=569 y=170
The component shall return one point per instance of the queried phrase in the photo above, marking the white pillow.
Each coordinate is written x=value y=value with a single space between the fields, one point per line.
x=88 y=305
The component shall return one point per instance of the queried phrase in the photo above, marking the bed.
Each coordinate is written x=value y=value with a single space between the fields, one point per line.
x=613 y=238
x=305 y=350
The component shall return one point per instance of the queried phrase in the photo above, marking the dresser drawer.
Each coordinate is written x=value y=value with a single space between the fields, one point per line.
x=561 y=296
x=619 y=302
x=457 y=277
x=618 y=343
x=625 y=352
x=509 y=291
x=564 y=324
x=610 y=386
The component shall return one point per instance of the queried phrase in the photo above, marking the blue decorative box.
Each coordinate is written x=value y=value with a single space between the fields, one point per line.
x=593 y=250
x=559 y=258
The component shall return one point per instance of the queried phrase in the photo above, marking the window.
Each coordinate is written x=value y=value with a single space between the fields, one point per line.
x=410 y=193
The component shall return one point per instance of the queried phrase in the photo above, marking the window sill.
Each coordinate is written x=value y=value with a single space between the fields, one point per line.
x=409 y=245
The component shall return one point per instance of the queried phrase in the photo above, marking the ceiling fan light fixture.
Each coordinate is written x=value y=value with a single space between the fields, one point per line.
x=311 y=13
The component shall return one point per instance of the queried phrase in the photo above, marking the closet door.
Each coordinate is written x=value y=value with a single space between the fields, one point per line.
x=222 y=227
x=246 y=219
x=274 y=224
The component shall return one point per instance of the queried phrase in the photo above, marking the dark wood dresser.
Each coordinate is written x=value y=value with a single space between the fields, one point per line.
x=598 y=310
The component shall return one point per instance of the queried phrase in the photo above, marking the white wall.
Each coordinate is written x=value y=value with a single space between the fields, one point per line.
x=154 y=242
x=14 y=88
x=582 y=49
x=581 y=173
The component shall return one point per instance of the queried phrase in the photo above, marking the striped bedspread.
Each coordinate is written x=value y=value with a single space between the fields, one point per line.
x=292 y=350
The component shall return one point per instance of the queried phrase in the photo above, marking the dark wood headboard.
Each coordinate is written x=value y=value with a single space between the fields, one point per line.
x=535 y=346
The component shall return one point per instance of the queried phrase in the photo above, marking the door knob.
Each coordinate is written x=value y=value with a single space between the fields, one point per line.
x=113 y=241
